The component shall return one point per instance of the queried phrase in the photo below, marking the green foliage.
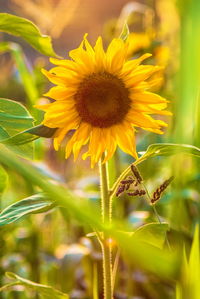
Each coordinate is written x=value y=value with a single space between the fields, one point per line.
x=26 y=77
x=189 y=286
x=44 y=291
x=77 y=207
x=152 y=233
x=168 y=149
x=34 y=204
x=14 y=118
x=29 y=135
x=156 y=150
x=3 y=179
x=145 y=254
x=194 y=267
x=28 y=31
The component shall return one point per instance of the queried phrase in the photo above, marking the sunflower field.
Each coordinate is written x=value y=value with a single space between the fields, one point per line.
x=99 y=149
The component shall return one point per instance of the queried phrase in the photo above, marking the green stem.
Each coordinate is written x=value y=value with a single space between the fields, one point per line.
x=106 y=210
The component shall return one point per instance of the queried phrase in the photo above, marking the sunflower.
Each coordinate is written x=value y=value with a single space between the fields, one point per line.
x=138 y=41
x=102 y=97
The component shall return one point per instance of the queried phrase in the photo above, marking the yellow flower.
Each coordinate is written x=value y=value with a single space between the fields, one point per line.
x=138 y=41
x=162 y=55
x=103 y=97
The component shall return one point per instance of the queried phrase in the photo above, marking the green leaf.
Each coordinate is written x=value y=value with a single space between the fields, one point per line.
x=3 y=134
x=14 y=117
x=194 y=267
x=28 y=31
x=152 y=233
x=46 y=292
x=31 y=205
x=125 y=32
x=3 y=179
x=151 y=258
x=188 y=286
x=167 y=149
x=30 y=135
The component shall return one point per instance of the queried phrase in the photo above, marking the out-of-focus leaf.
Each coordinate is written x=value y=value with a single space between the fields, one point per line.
x=30 y=135
x=194 y=267
x=3 y=179
x=125 y=32
x=188 y=286
x=167 y=149
x=14 y=118
x=28 y=31
x=26 y=76
x=3 y=134
x=139 y=253
x=46 y=292
x=30 y=205
x=152 y=233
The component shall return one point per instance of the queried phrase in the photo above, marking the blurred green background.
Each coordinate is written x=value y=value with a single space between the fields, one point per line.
x=53 y=247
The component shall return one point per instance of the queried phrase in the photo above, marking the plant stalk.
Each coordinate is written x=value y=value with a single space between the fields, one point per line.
x=106 y=211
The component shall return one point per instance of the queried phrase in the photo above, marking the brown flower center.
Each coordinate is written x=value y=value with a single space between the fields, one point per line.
x=102 y=100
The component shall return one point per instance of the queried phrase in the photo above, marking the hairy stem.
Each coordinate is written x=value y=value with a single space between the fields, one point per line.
x=106 y=210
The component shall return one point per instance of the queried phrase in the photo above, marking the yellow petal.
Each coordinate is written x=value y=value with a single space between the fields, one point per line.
x=131 y=65
x=60 y=92
x=99 y=55
x=88 y=47
x=69 y=64
x=141 y=120
x=115 y=55
x=147 y=98
x=60 y=135
x=126 y=139
x=142 y=73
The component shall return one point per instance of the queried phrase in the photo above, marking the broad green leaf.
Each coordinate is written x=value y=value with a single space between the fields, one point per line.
x=28 y=31
x=30 y=135
x=14 y=117
x=30 y=205
x=152 y=233
x=3 y=179
x=125 y=32
x=167 y=149
x=46 y=292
